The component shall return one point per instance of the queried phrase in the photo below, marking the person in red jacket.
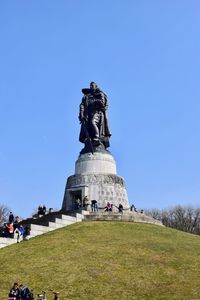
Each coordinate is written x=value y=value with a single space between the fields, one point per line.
x=9 y=229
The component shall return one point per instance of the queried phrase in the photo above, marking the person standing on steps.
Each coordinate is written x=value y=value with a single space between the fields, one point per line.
x=94 y=205
x=11 y=218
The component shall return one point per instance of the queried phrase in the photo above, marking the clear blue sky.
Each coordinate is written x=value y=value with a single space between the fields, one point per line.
x=144 y=54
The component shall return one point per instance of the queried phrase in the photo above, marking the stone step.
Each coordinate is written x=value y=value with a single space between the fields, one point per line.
x=65 y=222
x=39 y=228
x=69 y=218
x=7 y=241
x=126 y=217
x=56 y=225
x=4 y=245
x=34 y=233
x=79 y=217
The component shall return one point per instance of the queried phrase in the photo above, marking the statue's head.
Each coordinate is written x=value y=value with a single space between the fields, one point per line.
x=93 y=86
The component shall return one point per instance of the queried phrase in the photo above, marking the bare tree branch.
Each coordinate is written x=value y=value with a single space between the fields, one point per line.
x=4 y=213
x=185 y=218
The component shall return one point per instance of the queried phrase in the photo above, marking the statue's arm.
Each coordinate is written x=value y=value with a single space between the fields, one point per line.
x=82 y=110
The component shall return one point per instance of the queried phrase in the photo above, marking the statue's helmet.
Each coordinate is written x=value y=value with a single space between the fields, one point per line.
x=93 y=85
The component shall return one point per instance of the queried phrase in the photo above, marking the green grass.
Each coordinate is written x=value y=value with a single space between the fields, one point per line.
x=106 y=260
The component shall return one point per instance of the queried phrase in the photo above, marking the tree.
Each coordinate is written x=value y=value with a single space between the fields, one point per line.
x=4 y=213
x=185 y=218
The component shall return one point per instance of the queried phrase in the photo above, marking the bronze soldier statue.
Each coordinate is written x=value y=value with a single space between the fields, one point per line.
x=94 y=132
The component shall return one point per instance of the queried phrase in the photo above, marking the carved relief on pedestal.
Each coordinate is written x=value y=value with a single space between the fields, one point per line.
x=94 y=179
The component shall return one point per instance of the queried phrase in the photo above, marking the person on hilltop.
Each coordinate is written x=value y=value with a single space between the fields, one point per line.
x=9 y=230
x=11 y=218
x=108 y=207
x=77 y=203
x=94 y=205
x=25 y=293
x=120 y=208
x=26 y=233
x=133 y=208
x=16 y=222
x=42 y=296
x=20 y=233
x=56 y=297
x=44 y=209
x=40 y=210
x=85 y=201
x=14 y=293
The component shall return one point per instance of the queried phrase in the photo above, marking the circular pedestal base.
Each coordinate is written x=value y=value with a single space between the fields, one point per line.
x=95 y=177
x=97 y=163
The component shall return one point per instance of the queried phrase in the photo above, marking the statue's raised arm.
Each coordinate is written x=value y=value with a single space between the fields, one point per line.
x=95 y=133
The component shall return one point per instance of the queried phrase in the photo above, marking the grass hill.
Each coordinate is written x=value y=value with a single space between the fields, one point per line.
x=106 y=260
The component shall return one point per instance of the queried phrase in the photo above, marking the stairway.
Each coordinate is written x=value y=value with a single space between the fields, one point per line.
x=43 y=225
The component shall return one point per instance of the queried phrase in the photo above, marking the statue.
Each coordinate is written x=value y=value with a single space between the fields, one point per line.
x=94 y=131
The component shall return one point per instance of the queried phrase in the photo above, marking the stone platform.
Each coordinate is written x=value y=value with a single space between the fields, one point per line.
x=126 y=216
x=95 y=177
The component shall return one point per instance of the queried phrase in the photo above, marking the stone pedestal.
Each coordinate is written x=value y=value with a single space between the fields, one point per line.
x=95 y=177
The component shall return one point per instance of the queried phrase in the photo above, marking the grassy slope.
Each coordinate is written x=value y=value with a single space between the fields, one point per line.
x=106 y=260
